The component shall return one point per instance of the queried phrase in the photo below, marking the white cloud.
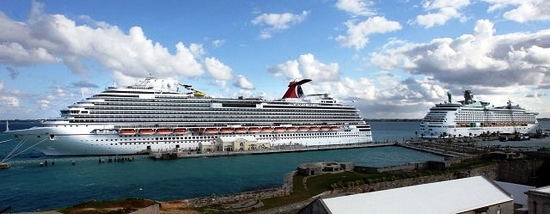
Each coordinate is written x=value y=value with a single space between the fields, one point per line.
x=357 y=34
x=478 y=59
x=445 y=11
x=440 y=18
x=278 y=22
x=48 y=38
x=523 y=10
x=243 y=83
x=356 y=7
x=218 y=43
x=306 y=66
x=217 y=69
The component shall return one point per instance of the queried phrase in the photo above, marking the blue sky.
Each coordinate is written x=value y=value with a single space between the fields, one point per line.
x=391 y=59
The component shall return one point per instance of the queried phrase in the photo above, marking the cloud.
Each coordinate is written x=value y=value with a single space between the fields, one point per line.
x=445 y=11
x=217 y=69
x=356 y=7
x=46 y=39
x=13 y=72
x=8 y=99
x=357 y=34
x=306 y=66
x=243 y=83
x=523 y=11
x=218 y=43
x=277 y=22
x=480 y=58
x=83 y=84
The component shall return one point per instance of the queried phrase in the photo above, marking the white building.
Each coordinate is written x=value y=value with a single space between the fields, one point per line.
x=467 y=195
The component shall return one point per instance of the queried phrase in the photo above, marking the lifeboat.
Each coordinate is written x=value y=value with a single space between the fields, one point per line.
x=254 y=129
x=267 y=129
x=292 y=129
x=325 y=128
x=280 y=129
x=127 y=131
x=180 y=130
x=146 y=131
x=303 y=128
x=226 y=130
x=314 y=128
x=211 y=130
x=241 y=130
x=335 y=128
x=164 y=131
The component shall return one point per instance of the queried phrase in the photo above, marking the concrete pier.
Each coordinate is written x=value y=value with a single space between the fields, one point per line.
x=167 y=155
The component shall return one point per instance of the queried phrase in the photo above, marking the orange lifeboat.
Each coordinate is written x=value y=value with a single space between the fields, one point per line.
x=211 y=130
x=303 y=128
x=292 y=129
x=314 y=128
x=127 y=131
x=226 y=130
x=280 y=129
x=325 y=128
x=254 y=129
x=335 y=128
x=146 y=131
x=164 y=131
x=267 y=129
x=241 y=130
x=180 y=130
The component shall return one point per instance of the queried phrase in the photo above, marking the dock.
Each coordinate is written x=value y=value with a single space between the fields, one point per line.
x=174 y=154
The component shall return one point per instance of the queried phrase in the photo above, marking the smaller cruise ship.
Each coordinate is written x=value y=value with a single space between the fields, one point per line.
x=470 y=118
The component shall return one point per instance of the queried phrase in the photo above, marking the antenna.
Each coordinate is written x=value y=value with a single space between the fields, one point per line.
x=7 y=125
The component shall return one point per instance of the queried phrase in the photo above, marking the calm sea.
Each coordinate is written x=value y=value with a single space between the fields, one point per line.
x=28 y=187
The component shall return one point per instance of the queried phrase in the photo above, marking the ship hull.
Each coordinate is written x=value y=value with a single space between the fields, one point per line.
x=434 y=131
x=59 y=141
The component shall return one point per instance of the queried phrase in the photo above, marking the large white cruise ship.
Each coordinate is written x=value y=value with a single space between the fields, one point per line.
x=470 y=118
x=155 y=115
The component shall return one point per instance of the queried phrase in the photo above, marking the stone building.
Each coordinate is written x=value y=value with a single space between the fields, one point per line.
x=538 y=200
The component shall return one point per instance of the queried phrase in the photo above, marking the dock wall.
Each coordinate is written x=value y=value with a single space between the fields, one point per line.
x=284 y=190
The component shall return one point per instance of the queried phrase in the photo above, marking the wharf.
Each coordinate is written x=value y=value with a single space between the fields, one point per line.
x=436 y=151
x=166 y=155
x=73 y=160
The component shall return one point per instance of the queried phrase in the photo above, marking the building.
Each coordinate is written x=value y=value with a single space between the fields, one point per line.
x=539 y=200
x=518 y=193
x=466 y=195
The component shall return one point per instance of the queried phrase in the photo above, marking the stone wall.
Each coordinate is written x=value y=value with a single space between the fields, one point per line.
x=515 y=172
x=284 y=190
x=521 y=172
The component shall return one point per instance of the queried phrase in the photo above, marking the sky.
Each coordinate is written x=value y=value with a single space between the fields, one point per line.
x=390 y=59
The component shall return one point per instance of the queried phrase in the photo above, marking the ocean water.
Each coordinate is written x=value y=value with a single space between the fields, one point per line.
x=28 y=187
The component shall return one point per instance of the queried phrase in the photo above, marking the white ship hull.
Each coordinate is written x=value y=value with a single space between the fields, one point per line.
x=433 y=131
x=56 y=141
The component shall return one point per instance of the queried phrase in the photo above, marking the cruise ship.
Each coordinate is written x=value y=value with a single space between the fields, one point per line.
x=156 y=114
x=470 y=118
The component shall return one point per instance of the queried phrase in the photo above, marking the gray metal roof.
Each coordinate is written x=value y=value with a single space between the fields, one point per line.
x=453 y=196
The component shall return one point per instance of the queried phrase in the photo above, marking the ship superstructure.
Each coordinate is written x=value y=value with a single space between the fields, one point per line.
x=469 y=118
x=154 y=115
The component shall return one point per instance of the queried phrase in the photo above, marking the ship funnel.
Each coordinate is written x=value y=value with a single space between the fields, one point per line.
x=468 y=97
x=295 y=89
